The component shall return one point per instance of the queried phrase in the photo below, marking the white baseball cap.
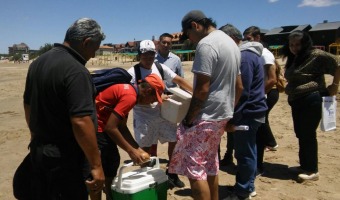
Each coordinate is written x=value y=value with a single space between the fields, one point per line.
x=147 y=45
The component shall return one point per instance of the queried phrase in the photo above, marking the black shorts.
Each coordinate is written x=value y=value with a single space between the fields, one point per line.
x=109 y=154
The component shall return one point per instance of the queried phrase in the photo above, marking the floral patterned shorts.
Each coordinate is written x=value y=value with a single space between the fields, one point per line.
x=195 y=154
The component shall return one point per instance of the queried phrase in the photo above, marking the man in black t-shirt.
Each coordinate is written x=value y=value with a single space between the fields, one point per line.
x=60 y=112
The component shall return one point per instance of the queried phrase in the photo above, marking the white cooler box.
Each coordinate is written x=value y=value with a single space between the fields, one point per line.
x=175 y=108
x=149 y=183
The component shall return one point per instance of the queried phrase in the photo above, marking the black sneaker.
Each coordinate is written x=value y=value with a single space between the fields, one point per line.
x=174 y=181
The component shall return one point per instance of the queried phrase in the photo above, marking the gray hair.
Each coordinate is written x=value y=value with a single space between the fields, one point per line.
x=232 y=31
x=84 y=28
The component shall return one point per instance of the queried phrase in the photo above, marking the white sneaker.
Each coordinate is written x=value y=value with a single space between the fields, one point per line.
x=268 y=148
x=308 y=177
x=252 y=194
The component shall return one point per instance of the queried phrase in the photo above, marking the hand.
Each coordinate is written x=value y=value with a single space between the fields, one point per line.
x=97 y=183
x=332 y=90
x=165 y=97
x=229 y=128
x=139 y=156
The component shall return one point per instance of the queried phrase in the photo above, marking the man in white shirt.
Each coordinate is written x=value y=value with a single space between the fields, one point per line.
x=149 y=126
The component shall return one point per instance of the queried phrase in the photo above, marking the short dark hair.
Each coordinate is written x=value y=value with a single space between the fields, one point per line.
x=232 y=31
x=253 y=30
x=165 y=35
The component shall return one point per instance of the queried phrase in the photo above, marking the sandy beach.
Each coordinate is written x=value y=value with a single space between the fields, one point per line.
x=276 y=183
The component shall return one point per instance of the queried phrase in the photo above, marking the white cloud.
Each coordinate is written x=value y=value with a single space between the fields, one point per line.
x=272 y=1
x=319 y=3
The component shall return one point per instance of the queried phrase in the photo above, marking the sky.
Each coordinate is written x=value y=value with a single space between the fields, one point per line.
x=37 y=22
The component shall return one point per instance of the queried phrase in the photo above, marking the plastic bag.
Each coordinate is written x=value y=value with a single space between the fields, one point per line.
x=328 y=120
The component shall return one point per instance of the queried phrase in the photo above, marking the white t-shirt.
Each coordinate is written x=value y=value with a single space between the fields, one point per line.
x=150 y=111
x=218 y=56
x=268 y=59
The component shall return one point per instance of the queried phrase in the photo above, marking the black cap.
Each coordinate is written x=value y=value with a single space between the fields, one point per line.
x=192 y=16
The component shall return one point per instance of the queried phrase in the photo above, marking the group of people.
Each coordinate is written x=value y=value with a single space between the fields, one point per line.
x=75 y=131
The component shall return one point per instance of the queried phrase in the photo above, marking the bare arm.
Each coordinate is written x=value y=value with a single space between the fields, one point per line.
x=84 y=132
x=272 y=79
x=238 y=88
x=120 y=134
x=182 y=83
x=198 y=98
x=333 y=88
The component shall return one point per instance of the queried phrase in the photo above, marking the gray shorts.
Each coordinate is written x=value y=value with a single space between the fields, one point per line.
x=150 y=131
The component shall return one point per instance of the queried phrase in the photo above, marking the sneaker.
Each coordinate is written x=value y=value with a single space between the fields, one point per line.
x=174 y=180
x=252 y=194
x=308 y=177
x=268 y=148
x=233 y=196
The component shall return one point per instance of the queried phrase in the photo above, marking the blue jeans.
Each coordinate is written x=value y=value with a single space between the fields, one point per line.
x=246 y=156
x=306 y=112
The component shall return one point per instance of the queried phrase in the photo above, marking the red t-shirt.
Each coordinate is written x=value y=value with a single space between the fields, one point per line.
x=118 y=98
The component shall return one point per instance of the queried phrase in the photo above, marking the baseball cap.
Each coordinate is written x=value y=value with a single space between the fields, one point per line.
x=146 y=45
x=156 y=83
x=192 y=16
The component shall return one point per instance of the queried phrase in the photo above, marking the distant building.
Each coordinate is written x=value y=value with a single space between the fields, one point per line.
x=25 y=57
x=105 y=50
x=327 y=34
x=278 y=36
x=18 y=48
x=118 y=47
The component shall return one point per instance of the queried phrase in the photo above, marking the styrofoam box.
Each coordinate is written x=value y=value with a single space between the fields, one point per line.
x=176 y=107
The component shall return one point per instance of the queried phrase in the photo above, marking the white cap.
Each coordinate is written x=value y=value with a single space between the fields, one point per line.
x=147 y=45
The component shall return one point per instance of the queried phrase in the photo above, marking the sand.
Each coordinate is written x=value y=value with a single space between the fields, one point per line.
x=276 y=183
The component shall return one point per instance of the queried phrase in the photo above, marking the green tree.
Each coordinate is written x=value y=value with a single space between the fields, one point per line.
x=17 y=57
x=45 y=48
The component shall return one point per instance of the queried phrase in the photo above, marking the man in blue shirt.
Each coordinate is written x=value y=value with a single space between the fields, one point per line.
x=166 y=57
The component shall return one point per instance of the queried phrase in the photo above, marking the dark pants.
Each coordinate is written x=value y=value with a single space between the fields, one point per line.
x=306 y=112
x=109 y=154
x=57 y=174
x=264 y=136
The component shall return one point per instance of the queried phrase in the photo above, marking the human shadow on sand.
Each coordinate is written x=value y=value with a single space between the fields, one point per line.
x=223 y=191
x=271 y=170
x=278 y=171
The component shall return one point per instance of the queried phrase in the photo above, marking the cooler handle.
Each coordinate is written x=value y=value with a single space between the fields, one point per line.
x=120 y=173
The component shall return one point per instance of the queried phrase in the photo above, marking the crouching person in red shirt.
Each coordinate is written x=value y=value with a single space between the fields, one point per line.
x=113 y=105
